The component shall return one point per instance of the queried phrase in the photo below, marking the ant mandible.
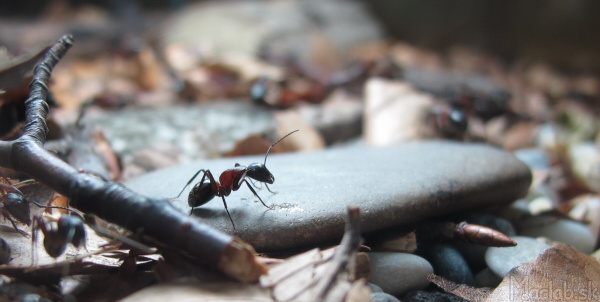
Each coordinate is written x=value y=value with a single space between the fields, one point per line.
x=230 y=180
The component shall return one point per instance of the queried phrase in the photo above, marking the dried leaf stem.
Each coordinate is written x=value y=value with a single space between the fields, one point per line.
x=344 y=253
x=146 y=216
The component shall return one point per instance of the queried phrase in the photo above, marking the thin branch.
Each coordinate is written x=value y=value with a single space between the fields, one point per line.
x=146 y=216
x=344 y=253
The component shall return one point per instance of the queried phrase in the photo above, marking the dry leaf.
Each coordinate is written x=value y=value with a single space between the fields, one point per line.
x=196 y=291
x=560 y=273
x=466 y=292
x=405 y=243
x=395 y=112
x=307 y=139
x=14 y=70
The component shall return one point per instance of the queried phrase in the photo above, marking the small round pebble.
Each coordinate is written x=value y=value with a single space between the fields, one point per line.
x=375 y=288
x=561 y=230
x=534 y=158
x=487 y=278
x=399 y=273
x=448 y=263
x=502 y=259
x=383 y=297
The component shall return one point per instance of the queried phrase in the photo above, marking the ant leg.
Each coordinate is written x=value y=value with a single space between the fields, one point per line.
x=251 y=189
x=269 y=189
x=192 y=179
x=225 y=204
x=39 y=205
x=15 y=226
x=254 y=184
x=8 y=188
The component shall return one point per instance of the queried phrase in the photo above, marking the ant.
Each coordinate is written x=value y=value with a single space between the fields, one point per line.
x=14 y=204
x=59 y=233
x=230 y=180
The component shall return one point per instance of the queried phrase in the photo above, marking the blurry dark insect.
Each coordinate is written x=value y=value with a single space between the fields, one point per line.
x=450 y=122
x=230 y=180
x=13 y=204
x=484 y=106
x=59 y=233
x=5 y=252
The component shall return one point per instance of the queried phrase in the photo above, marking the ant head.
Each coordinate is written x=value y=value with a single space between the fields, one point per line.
x=259 y=171
x=18 y=207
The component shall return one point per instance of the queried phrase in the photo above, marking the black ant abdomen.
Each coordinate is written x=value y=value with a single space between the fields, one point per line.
x=200 y=194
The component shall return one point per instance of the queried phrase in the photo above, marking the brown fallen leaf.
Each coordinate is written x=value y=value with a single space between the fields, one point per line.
x=395 y=112
x=336 y=274
x=196 y=291
x=560 y=273
x=13 y=71
x=307 y=139
x=466 y=292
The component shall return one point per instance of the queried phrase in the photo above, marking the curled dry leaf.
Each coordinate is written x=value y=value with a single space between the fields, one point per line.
x=307 y=139
x=560 y=273
x=395 y=112
x=466 y=292
x=13 y=71
x=482 y=235
x=405 y=243
x=196 y=291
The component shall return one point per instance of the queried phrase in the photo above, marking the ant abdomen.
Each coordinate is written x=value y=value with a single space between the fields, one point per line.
x=200 y=194
x=72 y=228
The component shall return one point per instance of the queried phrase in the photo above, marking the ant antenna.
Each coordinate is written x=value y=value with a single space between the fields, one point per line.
x=276 y=144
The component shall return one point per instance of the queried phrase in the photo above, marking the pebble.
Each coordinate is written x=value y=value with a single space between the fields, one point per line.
x=502 y=259
x=487 y=278
x=534 y=158
x=448 y=263
x=474 y=254
x=383 y=297
x=394 y=185
x=195 y=132
x=587 y=208
x=399 y=273
x=561 y=230
x=585 y=162
x=375 y=288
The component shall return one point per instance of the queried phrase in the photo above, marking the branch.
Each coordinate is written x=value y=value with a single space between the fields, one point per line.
x=344 y=253
x=146 y=216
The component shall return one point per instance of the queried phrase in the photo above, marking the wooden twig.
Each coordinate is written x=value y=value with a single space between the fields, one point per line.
x=344 y=253
x=145 y=216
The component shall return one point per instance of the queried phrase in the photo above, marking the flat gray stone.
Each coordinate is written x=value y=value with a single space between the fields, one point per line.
x=392 y=186
x=399 y=273
x=503 y=259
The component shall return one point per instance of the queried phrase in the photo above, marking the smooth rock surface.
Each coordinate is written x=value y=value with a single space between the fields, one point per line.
x=502 y=259
x=383 y=297
x=448 y=263
x=392 y=186
x=399 y=273
x=561 y=230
